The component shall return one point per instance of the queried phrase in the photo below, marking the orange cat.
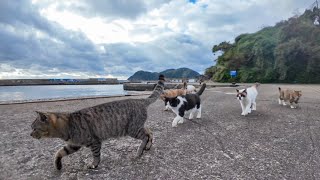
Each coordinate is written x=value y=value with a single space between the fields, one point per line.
x=172 y=93
x=290 y=96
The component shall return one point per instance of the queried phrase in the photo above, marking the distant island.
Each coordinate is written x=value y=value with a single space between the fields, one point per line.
x=288 y=52
x=30 y=82
x=181 y=73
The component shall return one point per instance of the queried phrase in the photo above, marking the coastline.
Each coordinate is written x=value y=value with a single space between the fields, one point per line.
x=221 y=145
x=44 y=100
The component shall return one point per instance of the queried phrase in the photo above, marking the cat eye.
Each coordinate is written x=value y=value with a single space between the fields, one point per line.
x=43 y=119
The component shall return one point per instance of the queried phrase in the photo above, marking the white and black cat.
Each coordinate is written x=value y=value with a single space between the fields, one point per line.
x=247 y=98
x=189 y=102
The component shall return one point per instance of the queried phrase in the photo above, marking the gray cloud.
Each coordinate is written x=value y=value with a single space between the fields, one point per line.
x=110 y=9
x=39 y=48
x=21 y=47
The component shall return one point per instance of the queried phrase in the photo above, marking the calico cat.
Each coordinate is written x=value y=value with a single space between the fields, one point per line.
x=289 y=95
x=181 y=104
x=247 y=98
x=90 y=126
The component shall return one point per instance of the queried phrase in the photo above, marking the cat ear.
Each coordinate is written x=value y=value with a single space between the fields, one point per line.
x=237 y=90
x=42 y=116
x=245 y=90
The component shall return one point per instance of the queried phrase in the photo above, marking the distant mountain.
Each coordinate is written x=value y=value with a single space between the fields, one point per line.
x=169 y=73
x=144 y=76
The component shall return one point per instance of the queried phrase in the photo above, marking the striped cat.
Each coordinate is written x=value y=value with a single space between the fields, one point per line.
x=90 y=126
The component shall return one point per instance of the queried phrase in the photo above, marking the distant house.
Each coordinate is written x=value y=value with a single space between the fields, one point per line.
x=316 y=21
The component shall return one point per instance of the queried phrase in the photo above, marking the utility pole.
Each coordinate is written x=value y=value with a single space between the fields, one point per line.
x=318 y=10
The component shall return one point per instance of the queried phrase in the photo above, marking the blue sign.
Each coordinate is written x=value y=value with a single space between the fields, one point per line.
x=233 y=73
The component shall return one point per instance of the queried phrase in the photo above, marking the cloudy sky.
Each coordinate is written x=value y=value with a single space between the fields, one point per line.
x=115 y=38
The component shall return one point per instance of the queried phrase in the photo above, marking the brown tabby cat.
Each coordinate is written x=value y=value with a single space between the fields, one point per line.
x=90 y=126
x=289 y=95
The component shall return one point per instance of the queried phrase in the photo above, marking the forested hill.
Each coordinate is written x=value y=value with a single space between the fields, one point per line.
x=288 y=52
x=169 y=73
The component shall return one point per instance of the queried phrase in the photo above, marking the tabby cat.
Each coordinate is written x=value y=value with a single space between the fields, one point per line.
x=289 y=95
x=90 y=126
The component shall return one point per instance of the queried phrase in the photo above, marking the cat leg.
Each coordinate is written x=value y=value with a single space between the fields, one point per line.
x=254 y=106
x=247 y=108
x=95 y=149
x=280 y=101
x=66 y=150
x=167 y=106
x=284 y=103
x=199 y=112
x=243 y=109
x=181 y=121
x=291 y=106
x=176 y=120
x=146 y=136
x=191 y=114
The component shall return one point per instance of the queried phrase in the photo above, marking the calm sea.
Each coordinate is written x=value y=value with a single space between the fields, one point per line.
x=22 y=93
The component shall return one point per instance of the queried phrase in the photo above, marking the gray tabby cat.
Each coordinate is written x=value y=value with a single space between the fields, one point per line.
x=90 y=126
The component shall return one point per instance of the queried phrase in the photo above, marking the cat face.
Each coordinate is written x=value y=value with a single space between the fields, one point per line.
x=40 y=126
x=296 y=96
x=242 y=94
x=174 y=102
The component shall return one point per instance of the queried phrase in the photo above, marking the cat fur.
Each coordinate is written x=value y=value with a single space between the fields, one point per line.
x=289 y=95
x=90 y=126
x=181 y=104
x=247 y=98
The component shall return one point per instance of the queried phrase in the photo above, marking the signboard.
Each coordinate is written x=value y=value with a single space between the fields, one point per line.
x=233 y=73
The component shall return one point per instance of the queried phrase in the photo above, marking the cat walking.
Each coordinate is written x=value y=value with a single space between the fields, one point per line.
x=289 y=95
x=90 y=126
x=181 y=104
x=247 y=98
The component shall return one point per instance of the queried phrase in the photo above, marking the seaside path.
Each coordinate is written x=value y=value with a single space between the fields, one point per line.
x=275 y=142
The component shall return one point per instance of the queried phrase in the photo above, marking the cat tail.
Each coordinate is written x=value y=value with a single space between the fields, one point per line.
x=184 y=85
x=201 y=89
x=256 y=84
x=157 y=91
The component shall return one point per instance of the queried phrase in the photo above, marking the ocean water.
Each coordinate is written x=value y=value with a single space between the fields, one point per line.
x=25 y=93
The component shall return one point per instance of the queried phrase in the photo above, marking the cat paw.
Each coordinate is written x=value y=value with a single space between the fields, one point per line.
x=242 y=114
x=181 y=121
x=148 y=146
x=91 y=166
x=292 y=107
x=174 y=124
x=199 y=117
x=58 y=163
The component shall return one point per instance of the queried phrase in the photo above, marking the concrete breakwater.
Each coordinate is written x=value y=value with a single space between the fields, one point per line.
x=24 y=82
x=150 y=86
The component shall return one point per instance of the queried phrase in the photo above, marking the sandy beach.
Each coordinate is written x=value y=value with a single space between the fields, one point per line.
x=275 y=142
